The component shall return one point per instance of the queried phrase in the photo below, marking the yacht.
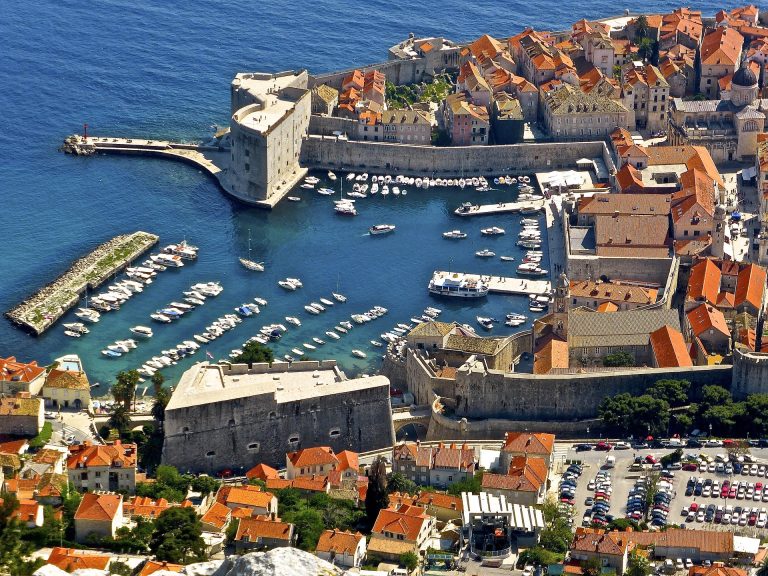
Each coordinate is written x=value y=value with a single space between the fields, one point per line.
x=458 y=285
x=195 y=301
x=182 y=249
x=345 y=209
x=143 y=331
x=293 y=320
x=507 y=258
x=492 y=231
x=455 y=235
x=486 y=323
x=535 y=244
x=295 y=281
x=359 y=354
x=381 y=229
x=529 y=222
x=465 y=209
x=200 y=338
x=531 y=269
x=156 y=316
x=376 y=343
x=318 y=341
x=287 y=284
x=339 y=297
x=317 y=306
x=326 y=192
x=333 y=335
x=77 y=327
x=172 y=260
x=252 y=265
x=311 y=309
x=72 y=334
x=485 y=253
x=326 y=302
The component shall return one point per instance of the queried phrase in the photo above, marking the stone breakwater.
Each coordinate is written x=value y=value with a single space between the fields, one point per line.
x=41 y=310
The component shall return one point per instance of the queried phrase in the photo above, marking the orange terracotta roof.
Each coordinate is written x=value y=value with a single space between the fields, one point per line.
x=277 y=484
x=406 y=521
x=262 y=472
x=600 y=542
x=261 y=527
x=706 y=541
x=69 y=559
x=704 y=282
x=725 y=300
x=705 y=317
x=628 y=177
x=310 y=483
x=145 y=507
x=317 y=456
x=607 y=307
x=722 y=46
x=152 y=566
x=348 y=460
x=11 y=370
x=247 y=496
x=553 y=353
x=99 y=506
x=87 y=455
x=339 y=541
x=242 y=513
x=750 y=286
x=14 y=446
x=27 y=510
x=669 y=348
x=439 y=500
x=217 y=516
x=486 y=46
x=525 y=475
x=529 y=443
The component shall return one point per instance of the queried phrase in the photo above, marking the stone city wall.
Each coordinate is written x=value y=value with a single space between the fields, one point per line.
x=750 y=374
x=480 y=394
x=396 y=71
x=330 y=153
x=648 y=270
x=327 y=125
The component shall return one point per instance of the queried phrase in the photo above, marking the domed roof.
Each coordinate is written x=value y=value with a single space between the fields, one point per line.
x=744 y=76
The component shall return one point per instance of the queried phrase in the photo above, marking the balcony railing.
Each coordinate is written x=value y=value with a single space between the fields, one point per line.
x=503 y=553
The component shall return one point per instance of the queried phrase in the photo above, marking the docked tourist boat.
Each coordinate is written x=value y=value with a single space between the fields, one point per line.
x=359 y=354
x=531 y=269
x=530 y=210
x=534 y=244
x=486 y=323
x=293 y=320
x=182 y=249
x=377 y=229
x=529 y=222
x=208 y=288
x=455 y=235
x=536 y=308
x=492 y=231
x=332 y=335
x=170 y=260
x=465 y=209
x=202 y=339
x=76 y=327
x=457 y=285
x=142 y=331
x=485 y=253
x=339 y=297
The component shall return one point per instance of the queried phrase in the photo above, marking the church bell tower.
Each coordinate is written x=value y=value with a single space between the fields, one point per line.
x=562 y=295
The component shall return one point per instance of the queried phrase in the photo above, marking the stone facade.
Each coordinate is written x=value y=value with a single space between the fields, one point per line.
x=265 y=411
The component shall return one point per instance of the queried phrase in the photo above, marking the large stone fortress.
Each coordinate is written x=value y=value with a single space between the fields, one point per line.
x=270 y=119
x=234 y=417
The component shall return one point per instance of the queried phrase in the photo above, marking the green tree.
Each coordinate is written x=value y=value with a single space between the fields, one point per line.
x=124 y=389
x=672 y=457
x=675 y=392
x=120 y=569
x=205 y=485
x=120 y=419
x=591 y=567
x=641 y=28
x=377 y=497
x=157 y=382
x=399 y=483
x=626 y=414
x=177 y=537
x=557 y=536
x=13 y=549
x=255 y=353
x=652 y=488
x=162 y=398
x=309 y=525
x=409 y=561
x=638 y=565
x=473 y=485
x=763 y=569
x=712 y=395
x=538 y=556
x=756 y=414
x=617 y=359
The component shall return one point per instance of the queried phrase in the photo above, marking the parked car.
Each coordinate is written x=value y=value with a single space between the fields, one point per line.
x=604 y=446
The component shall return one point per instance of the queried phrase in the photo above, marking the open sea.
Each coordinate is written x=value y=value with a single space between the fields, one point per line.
x=162 y=69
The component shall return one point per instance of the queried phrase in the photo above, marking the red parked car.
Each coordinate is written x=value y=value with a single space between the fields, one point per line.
x=604 y=446
x=650 y=459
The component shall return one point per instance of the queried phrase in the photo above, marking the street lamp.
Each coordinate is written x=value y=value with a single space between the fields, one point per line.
x=710 y=429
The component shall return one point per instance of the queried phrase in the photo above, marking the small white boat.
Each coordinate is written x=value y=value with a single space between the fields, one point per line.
x=77 y=327
x=377 y=343
x=317 y=306
x=72 y=334
x=293 y=320
x=318 y=341
x=311 y=179
x=288 y=357
x=333 y=335
x=311 y=309
x=486 y=323
x=252 y=265
x=160 y=317
x=287 y=285
x=340 y=329
x=381 y=229
x=294 y=198
x=339 y=297
x=507 y=258
x=200 y=338
x=260 y=301
x=455 y=235
x=295 y=281
x=359 y=354
x=485 y=253
x=492 y=231
x=331 y=176
x=351 y=176
x=309 y=346
x=307 y=186
x=111 y=353
x=297 y=352
x=326 y=301
x=326 y=192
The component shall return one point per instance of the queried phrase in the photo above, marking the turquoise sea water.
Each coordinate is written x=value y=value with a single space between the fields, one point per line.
x=140 y=68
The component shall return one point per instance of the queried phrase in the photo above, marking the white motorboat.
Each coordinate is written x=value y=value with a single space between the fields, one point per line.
x=359 y=354
x=293 y=320
x=317 y=306
x=351 y=176
x=485 y=253
x=531 y=269
x=381 y=229
x=182 y=249
x=486 y=323
x=318 y=341
x=455 y=235
x=111 y=353
x=287 y=285
x=347 y=324
x=311 y=309
x=331 y=176
x=332 y=335
x=311 y=179
x=200 y=338
x=297 y=352
x=326 y=302
x=72 y=334
x=326 y=192
x=339 y=297
x=492 y=231
x=195 y=301
x=529 y=222
x=143 y=331
x=345 y=209
x=294 y=198
x=260 y=301
x=307 y=186
x=76 y=327
x=309 y=346
x=156 y=316
x=252 y=265
x=457 y=285
x=507 y=258
x=340 y=329
x=376 y=343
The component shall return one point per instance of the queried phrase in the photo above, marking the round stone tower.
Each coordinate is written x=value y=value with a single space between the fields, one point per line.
x=750 y=373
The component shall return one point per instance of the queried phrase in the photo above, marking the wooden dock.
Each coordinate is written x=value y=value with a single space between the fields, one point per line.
x=501 y=208
x=508 y=285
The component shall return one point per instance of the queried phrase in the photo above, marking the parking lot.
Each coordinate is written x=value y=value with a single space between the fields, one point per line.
x=698 y=489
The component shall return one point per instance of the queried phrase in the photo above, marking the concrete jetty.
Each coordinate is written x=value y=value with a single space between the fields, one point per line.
x=500 y=208
x=508 y=285
x=41 y=310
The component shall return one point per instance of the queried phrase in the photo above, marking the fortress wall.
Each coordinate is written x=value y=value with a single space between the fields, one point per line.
x=327 y=125
x=396 y=71
x=564 y=397
x=330 y=153
x=240 y=433
x=652 y=269
x=395 y=371
x=750 y=374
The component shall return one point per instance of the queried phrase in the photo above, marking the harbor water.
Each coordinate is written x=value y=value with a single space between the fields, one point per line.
x=138 y=68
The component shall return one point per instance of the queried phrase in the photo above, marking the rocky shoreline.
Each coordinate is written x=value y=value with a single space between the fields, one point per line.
x=41 y=310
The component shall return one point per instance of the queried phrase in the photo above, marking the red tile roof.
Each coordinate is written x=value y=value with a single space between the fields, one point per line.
x=705 y=317
x=87 y=455
x=317 y=456
x=152 y=566
x=704 y=282
x=261 y=527
x=348 y=460
x=69 y=559
x=338 y=541
x=11 y=370
x=99 y=506
x=669 y=348
x=722 y=46
x=536 y=443
x=600 y=542
x=406 y=521
x=262 y=472
x=439 y=500
x=248 y=496
x=218 y=516
x=145 y=507
x=750 y=286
